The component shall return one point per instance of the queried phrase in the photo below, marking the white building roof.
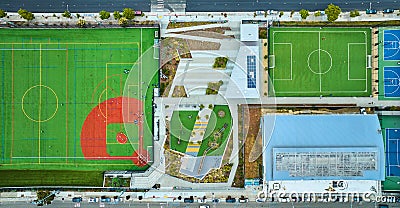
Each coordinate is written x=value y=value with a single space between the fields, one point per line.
x=249 y=32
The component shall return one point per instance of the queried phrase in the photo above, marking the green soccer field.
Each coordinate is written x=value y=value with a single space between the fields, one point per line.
x=320 y=61
x=77 y=99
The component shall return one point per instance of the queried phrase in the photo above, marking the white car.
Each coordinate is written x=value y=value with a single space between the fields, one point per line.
x=260 y=200
x=93 y=200
x=243 y=200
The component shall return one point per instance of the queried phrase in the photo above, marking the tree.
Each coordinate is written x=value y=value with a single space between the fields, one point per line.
x=26 y=15
x=22 y=12
x=81 y=23
x=332 y=11
x=354 y=13
x=304 y=14
x=29 y=16
x=104 y=14
x=117 y=15
x=123 y=21
x=2 y=13
x=66 y=14
x=280 y=13
x=291 y=13
x=128 y=13
x=41 y=195
x=317 y=13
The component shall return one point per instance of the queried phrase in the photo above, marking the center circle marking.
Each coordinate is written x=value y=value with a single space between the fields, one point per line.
x=31 y=90
x=320 y=69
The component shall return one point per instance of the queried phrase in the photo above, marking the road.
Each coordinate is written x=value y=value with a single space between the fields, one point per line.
x=192 y=5
x=60 y=204
x=285 y=5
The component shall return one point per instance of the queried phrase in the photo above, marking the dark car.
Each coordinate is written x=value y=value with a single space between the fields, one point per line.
x=387 y=11
x=77 y=199
x=215 y=200
x=371 y=11
x=230 y=200
x=188 y=200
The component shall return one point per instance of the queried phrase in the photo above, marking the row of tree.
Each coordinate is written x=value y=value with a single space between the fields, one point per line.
x=332 y=12
x=127 y=14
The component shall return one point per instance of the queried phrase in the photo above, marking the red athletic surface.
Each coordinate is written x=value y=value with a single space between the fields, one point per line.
x=113 y=110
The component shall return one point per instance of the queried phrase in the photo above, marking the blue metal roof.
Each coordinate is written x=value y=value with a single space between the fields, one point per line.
x=251 y=71
x=322 y=134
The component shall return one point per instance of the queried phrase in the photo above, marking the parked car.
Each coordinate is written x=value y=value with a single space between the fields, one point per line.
x=243 y=200
x=77 y=199
x=260 y=200
x=188 y=200
x=387 y=11
x=204 y=206
x=371 y=11
x=106 y=200
x=229 y=199
x=215 y=200
x=91 y=200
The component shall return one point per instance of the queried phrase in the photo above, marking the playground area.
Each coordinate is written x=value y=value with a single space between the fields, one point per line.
x=77 y=99
x=320 y=61
x=202 y=132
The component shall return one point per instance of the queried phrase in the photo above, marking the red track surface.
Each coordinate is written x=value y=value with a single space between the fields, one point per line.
x=94 y=129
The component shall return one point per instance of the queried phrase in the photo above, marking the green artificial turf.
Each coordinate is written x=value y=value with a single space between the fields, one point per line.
x=181 y=126
x=320 y=61
x=51 y=79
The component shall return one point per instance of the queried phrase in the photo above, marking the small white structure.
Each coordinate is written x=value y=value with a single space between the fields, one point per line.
x=248 y=32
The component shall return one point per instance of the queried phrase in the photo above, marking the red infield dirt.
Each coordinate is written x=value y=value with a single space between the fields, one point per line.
x=113 y=110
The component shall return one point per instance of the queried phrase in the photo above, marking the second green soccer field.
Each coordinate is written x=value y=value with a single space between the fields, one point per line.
x=320 y=61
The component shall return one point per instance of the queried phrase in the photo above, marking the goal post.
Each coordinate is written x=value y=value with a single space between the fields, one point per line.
x=271 y=61
x=369 y=61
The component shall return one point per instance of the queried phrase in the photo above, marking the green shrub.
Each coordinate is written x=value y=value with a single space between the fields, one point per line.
x=220 y=62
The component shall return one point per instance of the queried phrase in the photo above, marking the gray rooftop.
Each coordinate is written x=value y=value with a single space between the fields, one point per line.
x=321 y=147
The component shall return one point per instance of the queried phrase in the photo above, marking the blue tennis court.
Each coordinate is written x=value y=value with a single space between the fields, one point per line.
x=392 y=152
x=391 y=45
x=391 y=76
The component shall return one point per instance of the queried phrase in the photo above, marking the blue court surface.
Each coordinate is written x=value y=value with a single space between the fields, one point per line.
x=392 y=152
x=391 y=45
x=391 y=77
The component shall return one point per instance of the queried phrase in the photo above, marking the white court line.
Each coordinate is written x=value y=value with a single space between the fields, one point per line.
x=319 y=61
x=389 y=33
x=291 y=60
x=388 y=147
x=384 y=86
x=33 y=49
x=317 y=91
x=348 y=61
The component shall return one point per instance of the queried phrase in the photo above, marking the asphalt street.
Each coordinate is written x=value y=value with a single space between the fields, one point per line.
x=59 y=204
x=192 y=5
